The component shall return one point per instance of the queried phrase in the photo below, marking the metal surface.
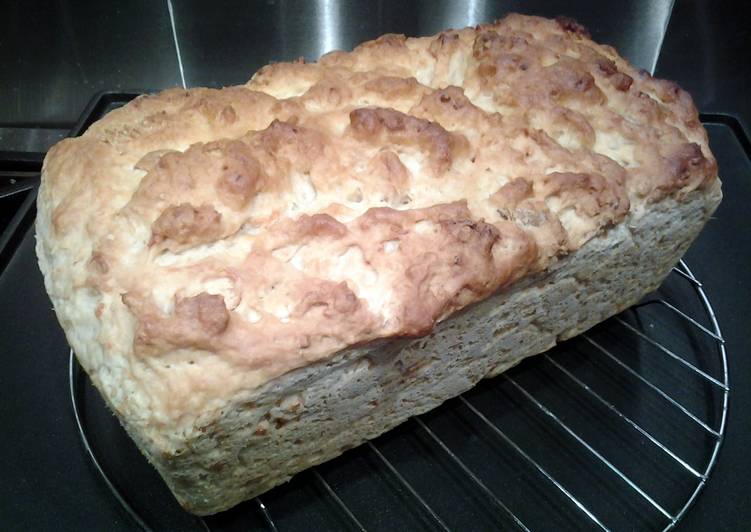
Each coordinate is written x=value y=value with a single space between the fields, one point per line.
x=73 y=377
x=30 y=139
x=706 y=52
x=56 y=55
x=83 y=47
x=248 y=36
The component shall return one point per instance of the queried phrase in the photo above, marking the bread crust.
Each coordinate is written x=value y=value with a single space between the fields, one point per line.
x=203 y=246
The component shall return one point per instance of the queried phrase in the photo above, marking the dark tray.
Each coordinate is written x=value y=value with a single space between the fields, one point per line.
x=449 y=467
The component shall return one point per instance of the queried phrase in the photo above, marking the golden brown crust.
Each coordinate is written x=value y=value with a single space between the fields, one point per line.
x=365 y=196
x=380 y=127
x=186 y=224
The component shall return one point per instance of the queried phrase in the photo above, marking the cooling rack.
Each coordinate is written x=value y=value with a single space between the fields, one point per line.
x=618 y=428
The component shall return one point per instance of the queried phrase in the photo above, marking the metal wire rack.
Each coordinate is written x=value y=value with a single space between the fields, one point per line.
x=660 y=503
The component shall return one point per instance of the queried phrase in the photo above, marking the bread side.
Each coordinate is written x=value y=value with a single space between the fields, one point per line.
x=310 y=415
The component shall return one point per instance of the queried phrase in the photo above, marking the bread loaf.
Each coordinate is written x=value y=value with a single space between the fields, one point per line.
x=260 y=277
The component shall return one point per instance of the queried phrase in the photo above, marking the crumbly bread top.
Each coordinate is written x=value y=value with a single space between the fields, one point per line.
x=211 y=240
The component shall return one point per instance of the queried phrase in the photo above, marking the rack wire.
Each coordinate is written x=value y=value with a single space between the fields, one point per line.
x=669 y=515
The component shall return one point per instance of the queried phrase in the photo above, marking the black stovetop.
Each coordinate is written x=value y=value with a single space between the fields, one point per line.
x=49 y=481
